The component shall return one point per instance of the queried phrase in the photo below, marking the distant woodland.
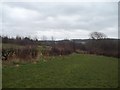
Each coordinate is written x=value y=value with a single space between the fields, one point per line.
x=27 y=48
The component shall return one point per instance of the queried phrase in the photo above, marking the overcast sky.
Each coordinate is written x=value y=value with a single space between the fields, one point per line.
x=60 y=20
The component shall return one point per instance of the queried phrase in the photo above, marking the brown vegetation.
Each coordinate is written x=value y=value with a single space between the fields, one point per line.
x=26 y=53
x=29 y=48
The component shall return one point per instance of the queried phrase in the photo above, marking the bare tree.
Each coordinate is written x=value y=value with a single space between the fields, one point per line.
x=35 y=38
x=97 y=35
x=52 y=38
x=44 y=38
x=53 y=42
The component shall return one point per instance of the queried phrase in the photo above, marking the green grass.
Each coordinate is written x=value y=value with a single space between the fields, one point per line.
x=74 y=71
x=6 y=46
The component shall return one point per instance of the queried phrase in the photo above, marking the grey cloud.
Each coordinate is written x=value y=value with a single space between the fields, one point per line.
x=40 y=17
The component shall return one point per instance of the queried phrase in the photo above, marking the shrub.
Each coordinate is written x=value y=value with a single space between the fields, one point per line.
x=25 y=53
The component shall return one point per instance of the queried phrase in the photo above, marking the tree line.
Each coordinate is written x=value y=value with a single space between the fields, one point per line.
x=19 y=40
x=98 y=44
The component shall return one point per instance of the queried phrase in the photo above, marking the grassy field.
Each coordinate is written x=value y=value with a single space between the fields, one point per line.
x=74 y=71
x=4 y=45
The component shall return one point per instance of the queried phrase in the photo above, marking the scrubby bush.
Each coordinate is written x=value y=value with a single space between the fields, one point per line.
x=25 y=53
x=106 y=47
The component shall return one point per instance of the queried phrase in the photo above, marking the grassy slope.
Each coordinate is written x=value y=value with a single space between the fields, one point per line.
x=5 y=46
x=75 y=71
